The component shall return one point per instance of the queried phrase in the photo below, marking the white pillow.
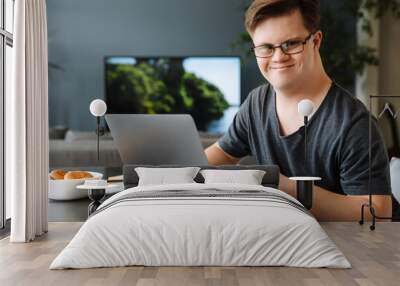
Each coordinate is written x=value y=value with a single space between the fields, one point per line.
x=163 y=176
x=248 y=177
x=395 y=178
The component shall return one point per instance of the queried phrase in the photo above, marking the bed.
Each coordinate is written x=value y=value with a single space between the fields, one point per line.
x=201 y=224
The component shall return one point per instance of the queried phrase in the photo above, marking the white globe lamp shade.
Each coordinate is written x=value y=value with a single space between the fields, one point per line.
x=305 y=107
x=98 y=107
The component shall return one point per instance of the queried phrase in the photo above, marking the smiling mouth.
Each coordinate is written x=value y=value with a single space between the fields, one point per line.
x=282 y=68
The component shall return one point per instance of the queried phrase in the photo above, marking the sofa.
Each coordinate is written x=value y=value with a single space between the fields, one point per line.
x=79 y=149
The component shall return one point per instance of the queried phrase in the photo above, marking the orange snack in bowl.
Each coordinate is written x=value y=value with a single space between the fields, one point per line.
x=77 y=175
x=57 y=174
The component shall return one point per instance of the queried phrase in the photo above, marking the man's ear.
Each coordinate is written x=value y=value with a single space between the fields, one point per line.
x=317 y=39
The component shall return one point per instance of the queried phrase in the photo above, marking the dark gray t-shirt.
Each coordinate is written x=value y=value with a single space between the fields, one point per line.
x=337 y=134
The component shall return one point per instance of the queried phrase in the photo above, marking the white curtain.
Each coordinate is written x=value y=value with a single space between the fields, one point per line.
x=27 y=123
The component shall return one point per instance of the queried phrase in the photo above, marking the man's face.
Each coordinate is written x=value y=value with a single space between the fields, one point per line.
x=281 y=70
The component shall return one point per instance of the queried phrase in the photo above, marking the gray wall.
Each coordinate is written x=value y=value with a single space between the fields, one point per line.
x=389 y=47
x=389 y=70
x=82 y=32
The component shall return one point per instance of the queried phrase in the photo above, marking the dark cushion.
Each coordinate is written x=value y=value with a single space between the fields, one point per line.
x=270 y=179
x=57 y=133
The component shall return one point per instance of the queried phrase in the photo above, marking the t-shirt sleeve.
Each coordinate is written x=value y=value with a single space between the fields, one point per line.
x=354 y=161
x=235 y=141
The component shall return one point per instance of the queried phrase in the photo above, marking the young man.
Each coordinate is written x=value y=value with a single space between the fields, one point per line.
x=286 y=40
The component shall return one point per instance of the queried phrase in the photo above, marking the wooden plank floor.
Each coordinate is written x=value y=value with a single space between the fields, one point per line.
x=375 y=257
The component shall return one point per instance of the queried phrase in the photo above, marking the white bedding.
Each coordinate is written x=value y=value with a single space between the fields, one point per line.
x=200 y=231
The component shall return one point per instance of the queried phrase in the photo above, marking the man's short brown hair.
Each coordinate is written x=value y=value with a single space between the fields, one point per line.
x=260 y=10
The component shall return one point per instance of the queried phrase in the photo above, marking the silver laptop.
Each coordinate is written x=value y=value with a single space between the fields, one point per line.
x=156 y=139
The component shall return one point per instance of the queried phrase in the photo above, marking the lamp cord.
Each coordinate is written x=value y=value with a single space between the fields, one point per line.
x=98 y=137
x=305 y=144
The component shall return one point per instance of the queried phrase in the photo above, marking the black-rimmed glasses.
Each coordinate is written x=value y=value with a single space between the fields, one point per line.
x=290 y=47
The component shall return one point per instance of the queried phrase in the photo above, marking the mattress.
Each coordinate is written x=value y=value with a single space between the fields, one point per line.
x=201 y=225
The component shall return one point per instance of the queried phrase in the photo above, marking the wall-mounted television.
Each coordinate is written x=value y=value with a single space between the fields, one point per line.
x=208 y=88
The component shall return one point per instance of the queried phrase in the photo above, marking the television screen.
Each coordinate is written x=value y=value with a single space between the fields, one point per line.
x=208 y=88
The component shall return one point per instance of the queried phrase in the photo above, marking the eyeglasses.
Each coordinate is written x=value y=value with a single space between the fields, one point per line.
x=290 y=47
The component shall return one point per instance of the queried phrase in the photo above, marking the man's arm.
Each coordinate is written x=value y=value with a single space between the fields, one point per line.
x=329 y=206
x=217 y=156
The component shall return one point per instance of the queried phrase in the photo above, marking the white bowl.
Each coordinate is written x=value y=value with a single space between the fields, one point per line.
x=66 y=189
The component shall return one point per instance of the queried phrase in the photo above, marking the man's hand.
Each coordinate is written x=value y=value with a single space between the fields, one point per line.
x=329 y=206
x=288 y=186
